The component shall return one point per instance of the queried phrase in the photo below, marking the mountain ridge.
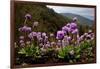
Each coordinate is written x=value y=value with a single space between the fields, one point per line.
x=82 y=20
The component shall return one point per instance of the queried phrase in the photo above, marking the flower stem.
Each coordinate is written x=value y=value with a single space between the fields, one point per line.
x=25 y=21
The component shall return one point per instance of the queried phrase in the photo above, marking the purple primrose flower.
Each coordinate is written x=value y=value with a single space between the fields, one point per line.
x=43 y=34
x=74 y=19
x=32 y=35
x=21 y=37
x=60 y=35
x=28 y=16
x=25 y=29
x=73 y=25
x=75 y=31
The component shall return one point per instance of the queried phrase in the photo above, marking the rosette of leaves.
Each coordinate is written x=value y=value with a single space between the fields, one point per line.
x=77 y=50
x=85 y=52
x=66 y=53
x=30 y=50
x=50 y=55
x=84 y=45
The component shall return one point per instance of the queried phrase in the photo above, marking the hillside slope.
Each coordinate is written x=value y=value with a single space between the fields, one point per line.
x=47 y=18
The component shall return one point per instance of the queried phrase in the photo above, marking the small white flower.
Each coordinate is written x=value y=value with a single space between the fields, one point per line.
x=72 y=52
x=90 y=31
x=51 y=35
x=35 y=23
x=28 y=42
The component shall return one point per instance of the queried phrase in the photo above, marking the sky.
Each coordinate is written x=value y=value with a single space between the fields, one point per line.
x=86 y=12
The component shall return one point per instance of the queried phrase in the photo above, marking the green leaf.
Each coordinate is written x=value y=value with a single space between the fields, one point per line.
x=64 y=51
x=22 y=51
x=30 y=50
x=77 y=49
x=61 y=53
x=60 y=56
x=77 y=56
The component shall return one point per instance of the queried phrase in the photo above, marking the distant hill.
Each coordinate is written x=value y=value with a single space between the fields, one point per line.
x=81 y=19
